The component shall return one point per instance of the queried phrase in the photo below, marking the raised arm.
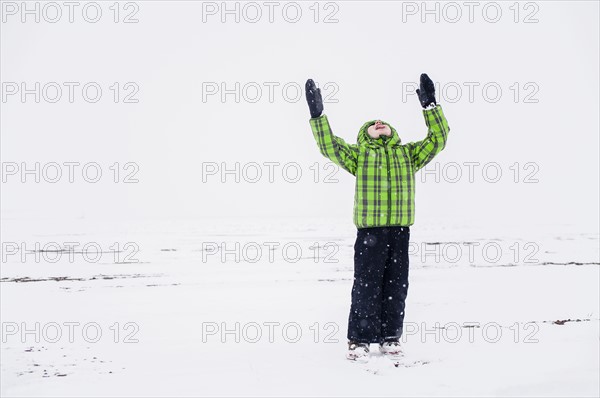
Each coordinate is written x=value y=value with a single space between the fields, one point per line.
x=422 y=152
x=332 y=147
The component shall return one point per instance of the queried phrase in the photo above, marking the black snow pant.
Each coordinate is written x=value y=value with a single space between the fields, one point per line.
x=380 y=284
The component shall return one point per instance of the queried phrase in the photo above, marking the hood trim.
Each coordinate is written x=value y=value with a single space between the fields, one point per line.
x=364 y=139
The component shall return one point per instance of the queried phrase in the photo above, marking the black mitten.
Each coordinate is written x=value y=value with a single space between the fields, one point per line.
x=313 y=97
x=426 y=92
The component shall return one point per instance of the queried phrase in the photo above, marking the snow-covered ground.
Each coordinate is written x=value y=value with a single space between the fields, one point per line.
x=508 y=313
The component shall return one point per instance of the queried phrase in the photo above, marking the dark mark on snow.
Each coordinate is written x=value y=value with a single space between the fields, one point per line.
x=334 y=280
x=70 y=279
x=563 y=321
x=555 y=322
x=533 y=264
x=161 y=285
x=496 y=265
x=568 y=263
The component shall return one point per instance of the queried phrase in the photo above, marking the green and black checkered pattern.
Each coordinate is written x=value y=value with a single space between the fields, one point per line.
x=384 y=168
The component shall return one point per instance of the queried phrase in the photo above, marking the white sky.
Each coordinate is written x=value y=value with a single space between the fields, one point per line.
x=368 y=55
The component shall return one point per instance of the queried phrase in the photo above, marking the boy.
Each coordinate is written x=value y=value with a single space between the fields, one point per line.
x=383 y=211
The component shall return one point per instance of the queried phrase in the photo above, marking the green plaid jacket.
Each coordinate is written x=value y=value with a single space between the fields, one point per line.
x=384 y=168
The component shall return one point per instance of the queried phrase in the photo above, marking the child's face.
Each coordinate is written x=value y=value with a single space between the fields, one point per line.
x=378 y=129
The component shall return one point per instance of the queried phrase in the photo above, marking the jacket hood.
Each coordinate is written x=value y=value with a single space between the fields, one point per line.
x=365 y=139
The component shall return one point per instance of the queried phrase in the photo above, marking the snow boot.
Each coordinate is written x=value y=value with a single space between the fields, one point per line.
x=391 y=348
x=357 y=351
